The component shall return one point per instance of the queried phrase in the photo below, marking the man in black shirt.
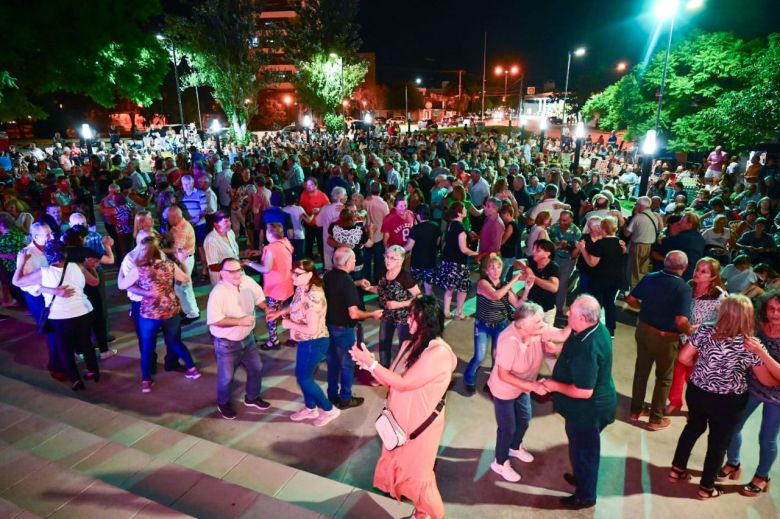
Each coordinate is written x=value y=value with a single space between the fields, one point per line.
x=343 y=313
x=423 y=241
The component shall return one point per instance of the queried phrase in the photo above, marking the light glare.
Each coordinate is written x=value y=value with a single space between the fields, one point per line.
x=579 y=131
x=666 y=9
x=648 y=147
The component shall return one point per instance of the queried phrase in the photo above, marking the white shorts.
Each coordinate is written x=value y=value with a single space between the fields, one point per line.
x=713 y=173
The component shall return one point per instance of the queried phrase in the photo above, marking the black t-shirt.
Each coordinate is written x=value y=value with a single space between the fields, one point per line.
x=575 y=201
x=341 y=293
x=509 y=249
x=79 y=254
x=426 y=237
x=610 y=255
x=452 y=250
x=538 y=295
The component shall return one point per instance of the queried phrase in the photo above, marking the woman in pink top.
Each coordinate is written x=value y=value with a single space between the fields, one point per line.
x=276 y=268
x=417 y=382
x=519 y=354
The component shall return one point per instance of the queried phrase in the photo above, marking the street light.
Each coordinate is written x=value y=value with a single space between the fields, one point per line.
x=417 y=81
x=514 y=69
x=216 y=129
x=664 y=10
x=87 y=135
x=307 y=124
x=577 y=53
x=621 y=67
x=579 y=134
x=176 y=76
x=367 y=119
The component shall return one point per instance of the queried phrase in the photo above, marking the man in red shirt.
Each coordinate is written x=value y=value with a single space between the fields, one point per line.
x=397 y=224
x=312 y=200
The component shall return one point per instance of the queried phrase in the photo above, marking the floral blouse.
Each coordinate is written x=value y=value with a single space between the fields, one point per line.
x=309 y=304
x=159 y=278
x=396 y=290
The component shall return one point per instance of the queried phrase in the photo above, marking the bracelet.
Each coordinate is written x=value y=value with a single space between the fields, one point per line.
x=373 y=366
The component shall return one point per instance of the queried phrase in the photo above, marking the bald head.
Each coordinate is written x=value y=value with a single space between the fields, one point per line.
x=342 y=259
x=676 y=261
x=174 y=215
x=584 y=312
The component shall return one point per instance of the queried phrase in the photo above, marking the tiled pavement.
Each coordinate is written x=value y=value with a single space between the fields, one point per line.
x=168 y=453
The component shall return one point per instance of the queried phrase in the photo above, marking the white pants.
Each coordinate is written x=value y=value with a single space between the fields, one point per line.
x=186 y=293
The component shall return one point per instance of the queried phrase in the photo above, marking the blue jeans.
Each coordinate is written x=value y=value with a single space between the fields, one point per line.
x=171 y=359
x=512 y=417
x=147 y=332
x=374 y=262
x=584 y=455
x=299 y=244
x=229 y=355
x=386 y=331
x=341 y=367
x=483 y=333
x=35 y=305
x=767 y=435
x=308 y=357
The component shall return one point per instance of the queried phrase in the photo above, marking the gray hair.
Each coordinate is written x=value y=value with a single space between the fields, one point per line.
x=526 y=310
x=342 y=255
x=676 y=260
x=37 y=227
x=587 y=307
x=337 y=194
x=396 y=250
x=77 y=219
x=644 y=201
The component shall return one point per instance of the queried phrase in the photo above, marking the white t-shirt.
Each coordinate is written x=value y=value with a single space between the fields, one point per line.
x=296 y=213
x=37 y=261
x=66 y=307
x=226 y=300
x=737 y=280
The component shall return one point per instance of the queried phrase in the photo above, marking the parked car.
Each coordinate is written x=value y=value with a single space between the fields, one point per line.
x=427 y=124
x=398 y=120
x=554 y=120
x=380 y=120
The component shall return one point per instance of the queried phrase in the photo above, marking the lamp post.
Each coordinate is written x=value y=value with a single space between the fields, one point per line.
x=176 y=76
x=579 y=133
x=367 y=119
x=542 y=128
x=417 y=81
x=87 y=135
x=514 y=69
x=664 y=9
x=523 y=122
x=216 y=129
x=578 y=52
x=307 y=124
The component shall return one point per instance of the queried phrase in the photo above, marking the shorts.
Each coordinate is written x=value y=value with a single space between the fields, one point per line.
x=423 y=276
x=453 y=276
x=712 y=173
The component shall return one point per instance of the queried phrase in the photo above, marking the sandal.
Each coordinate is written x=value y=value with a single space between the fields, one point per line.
x=753 y=488
x=729 y=471
x=709 y=493
x=678 y=475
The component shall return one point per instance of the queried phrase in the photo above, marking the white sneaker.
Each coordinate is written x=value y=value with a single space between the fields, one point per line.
x=521 y=454
x=107 y=354
x=304 y=414
x=505 y=471
x=327 y=416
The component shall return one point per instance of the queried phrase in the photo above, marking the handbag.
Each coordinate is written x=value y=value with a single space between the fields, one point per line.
x=390 y=431
x=44 y=326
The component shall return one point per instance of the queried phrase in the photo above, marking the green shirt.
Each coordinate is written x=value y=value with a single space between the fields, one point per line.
x=11 y=243
x=586 y=362
x=572 y=235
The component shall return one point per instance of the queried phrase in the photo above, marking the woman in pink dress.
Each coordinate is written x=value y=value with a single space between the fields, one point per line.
x=417 y=380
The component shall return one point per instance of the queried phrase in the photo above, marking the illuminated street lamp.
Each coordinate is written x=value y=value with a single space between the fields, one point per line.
x=160 y=37
x=577 y=53
x=87 y=135
x=664 y=10
x=216 y=129
x=368 y=119
x=621 y=67
x=307 y=125
x=514 y=70
x=417 y=82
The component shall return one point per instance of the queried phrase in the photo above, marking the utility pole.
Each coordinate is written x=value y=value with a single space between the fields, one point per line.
x=484 y=64
x=460 y=83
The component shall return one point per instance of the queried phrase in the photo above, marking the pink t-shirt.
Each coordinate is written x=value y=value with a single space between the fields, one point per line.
x=513 y=354
x=490 y=235
x=717 y=160
x=277 y=283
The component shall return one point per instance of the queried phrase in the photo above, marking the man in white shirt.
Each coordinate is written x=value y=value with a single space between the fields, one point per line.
x=219 y=244
x=231 y=319
x=551 y=204
x=393 y=177
x=644 y=229
x=222 y=185
x=328 y=215
x=479 y=190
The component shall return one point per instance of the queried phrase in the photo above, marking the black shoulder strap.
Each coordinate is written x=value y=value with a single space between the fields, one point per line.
x=417 y=432
x=653 y=221
x=62 y=277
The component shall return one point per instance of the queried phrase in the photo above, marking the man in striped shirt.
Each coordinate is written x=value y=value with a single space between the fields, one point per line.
x=195 y=203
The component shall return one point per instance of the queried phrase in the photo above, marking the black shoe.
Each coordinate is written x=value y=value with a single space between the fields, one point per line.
x=258 y=402
x=570 y=479
x=470 y=389
x=334 y=400
x=110 y=338
x=572 y=503
x=355 y=401
x=486 y=389
x=226 y=411
x=268 y=346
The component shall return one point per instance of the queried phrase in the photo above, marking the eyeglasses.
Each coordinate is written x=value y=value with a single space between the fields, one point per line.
x=297 y=273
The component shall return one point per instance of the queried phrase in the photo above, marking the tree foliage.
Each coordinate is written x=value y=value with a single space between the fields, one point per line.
x=719 y=90
x=226 y=51
x=322 y=43
x=103 y=50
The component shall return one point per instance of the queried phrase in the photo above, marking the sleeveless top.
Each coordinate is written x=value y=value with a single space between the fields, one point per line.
x=490 y=311
x=277 y=282
x=158 y=277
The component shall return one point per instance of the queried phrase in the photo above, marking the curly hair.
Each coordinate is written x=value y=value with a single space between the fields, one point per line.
x=429 y=315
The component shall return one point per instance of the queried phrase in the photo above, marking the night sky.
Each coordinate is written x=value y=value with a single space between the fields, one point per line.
x=429 y=37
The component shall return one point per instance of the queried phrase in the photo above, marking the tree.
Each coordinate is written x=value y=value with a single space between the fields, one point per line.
x=719 y=89
x=111 y=54
x=226 y=50
x=322 y=43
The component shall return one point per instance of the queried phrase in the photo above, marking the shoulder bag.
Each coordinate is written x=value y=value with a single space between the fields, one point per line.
x=391 y=432
x=44 y=326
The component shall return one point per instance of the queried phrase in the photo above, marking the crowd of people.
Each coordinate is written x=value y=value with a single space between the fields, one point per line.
x=308 y=228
